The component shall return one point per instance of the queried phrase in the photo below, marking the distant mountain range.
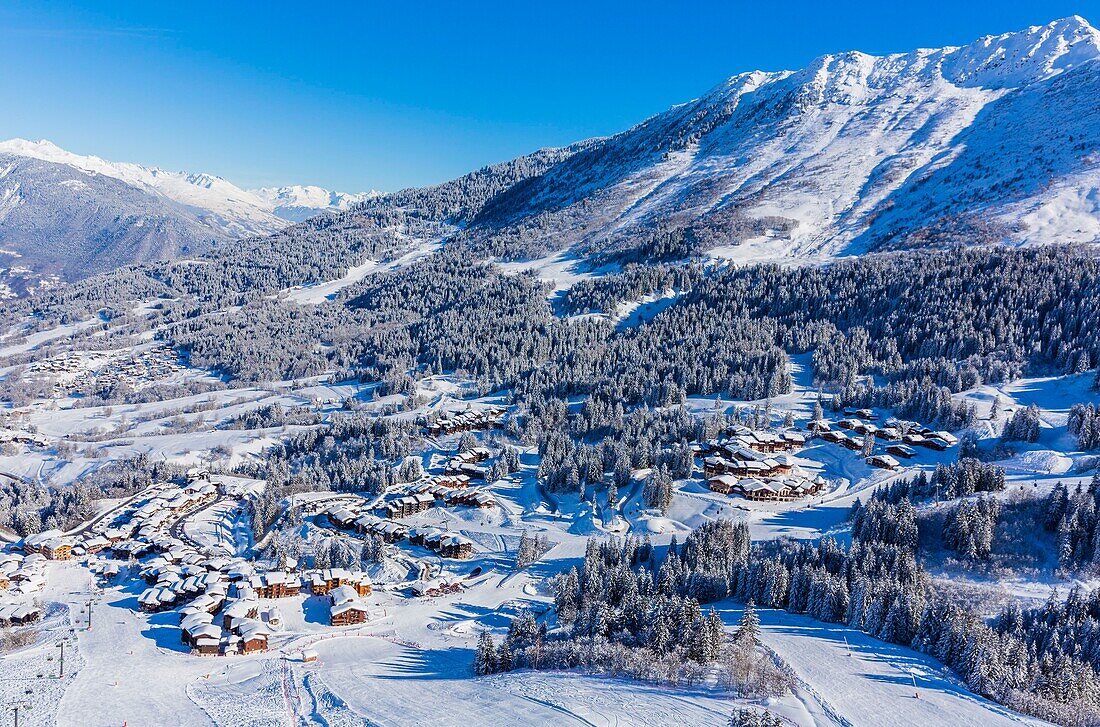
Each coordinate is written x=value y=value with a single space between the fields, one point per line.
x=997 y=141
x=63 y=215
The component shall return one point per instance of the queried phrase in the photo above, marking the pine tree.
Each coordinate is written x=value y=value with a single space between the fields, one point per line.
x=485 y=657
x=504 y=657
x=748 y=631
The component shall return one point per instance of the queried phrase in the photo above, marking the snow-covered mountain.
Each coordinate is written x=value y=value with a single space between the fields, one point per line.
x=70 y=215
x=998 y=140
x=297 y=202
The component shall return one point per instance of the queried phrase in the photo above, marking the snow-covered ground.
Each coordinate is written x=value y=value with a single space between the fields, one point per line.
x=131 y=666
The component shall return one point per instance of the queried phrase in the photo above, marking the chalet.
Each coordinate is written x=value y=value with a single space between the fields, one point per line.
x=763 y=442
x=469 y=470
x=309 y=656
x=946 y=437
x=765 y=490
x=342 y=517
x=865 y=428
x=16 y=614
x=206 y=645
x=834 y=437
x=456 y=546
x=853 y=444
x=724 y=484
x=409 y=505
x=36 y=543
x=346 y=608
x=774 y=488
x=902 y=450
x=848 y=423
x=455 y=481
x=324 y=581
x=795 y=439
x=435 y=587
x=239 y=611
x=191 y=635
x=388 y=530
x=884 y=461
x=58 y=549
x=156 y=599
x=275 y=584
x=253 y=638
x=348 y=614
x=433 y=538
x=819 y=425
x=95 y=544
x=472 y=498
x=934 y=443
x=197 y=473
x=890 y=434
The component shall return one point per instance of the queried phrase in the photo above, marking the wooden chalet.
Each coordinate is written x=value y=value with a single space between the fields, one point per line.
x=348 y=614
x=275 y=584
x=883 y=461
x=901 y=450
x=456 y=546
x=324 y=581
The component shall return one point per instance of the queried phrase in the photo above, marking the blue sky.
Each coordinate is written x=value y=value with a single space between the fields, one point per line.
x=409 y=93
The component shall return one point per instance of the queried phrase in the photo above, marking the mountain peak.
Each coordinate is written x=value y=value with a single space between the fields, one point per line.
x=1024 y=56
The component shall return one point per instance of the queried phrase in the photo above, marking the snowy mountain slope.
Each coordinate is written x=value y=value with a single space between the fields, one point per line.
x=994 y=140
x=71 y=215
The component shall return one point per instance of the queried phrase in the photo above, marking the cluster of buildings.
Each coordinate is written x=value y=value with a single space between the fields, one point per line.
x=22 y=574
x=467 y=464
x=50 y=544
x=455 y=497
x=77 y=370
x=223 y=612
x=767 y=488
x=17 y=614
x=448 y=545
x=757 y=465
x=146 y=524
x=466 y=421
x=900 y=437
x=22 y=436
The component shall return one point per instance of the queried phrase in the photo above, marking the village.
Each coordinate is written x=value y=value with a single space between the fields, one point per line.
x=180 y=561
x=76 y=372
x=228 y=599
x=762 y=466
